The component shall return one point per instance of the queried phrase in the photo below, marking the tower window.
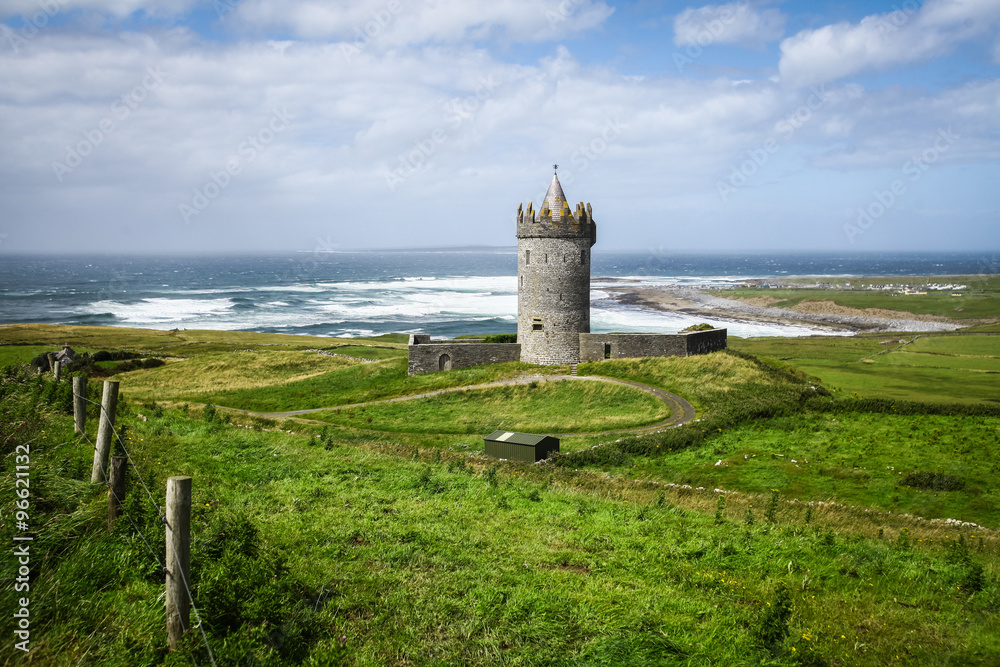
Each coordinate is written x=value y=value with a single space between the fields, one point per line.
x=583 y=256
x=522 y=281
x=546 y=258
x=527 y=257
x=536 y=324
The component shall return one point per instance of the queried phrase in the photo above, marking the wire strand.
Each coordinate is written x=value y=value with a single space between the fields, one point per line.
x=159 y=510
x=161 y=515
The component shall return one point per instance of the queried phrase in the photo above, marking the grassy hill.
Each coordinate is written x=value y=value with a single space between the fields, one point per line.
x=788 y=526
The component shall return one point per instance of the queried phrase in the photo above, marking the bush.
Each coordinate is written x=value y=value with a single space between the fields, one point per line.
x=105 y=355
x=41 y=363
x=932 y=481
x=888 y=406
x=772 y=628
x=501 y=338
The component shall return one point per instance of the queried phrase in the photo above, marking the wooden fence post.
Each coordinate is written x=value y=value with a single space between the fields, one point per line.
x=178 y=558
x=56 y=370
x=105 y=428
x=116 y=490
x=79 y=404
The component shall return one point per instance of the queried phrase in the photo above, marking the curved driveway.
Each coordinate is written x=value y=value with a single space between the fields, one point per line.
x=680 y=410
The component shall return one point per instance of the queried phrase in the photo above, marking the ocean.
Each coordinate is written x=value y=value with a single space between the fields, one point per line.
x=349 y=294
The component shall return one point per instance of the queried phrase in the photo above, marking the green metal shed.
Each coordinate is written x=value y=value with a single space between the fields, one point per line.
x=520 y=446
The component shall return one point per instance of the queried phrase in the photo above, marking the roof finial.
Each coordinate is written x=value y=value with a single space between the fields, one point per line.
x=555 y=167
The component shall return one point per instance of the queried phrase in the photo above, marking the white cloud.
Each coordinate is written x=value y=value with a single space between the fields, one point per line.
x=887 y=127
x=399 y=22
x=909 y=34
x=493 y=128
x=733 y=23
x=118 y=8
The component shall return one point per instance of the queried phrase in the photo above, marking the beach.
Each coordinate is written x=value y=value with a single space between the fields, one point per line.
x=700 y=304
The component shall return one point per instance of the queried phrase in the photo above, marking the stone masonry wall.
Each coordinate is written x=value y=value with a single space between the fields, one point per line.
x=628 y=346
x=703 y=342
x=434 y=357
x=553 y=294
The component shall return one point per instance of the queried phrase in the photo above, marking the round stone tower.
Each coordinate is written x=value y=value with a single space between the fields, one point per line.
x=553 y=275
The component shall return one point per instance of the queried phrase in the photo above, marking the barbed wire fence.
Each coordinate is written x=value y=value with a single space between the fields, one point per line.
x=160 y=513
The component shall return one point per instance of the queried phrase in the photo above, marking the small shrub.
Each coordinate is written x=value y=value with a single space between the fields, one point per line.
x=209 y=413
x=720 y=505
x=903 y=539
x=501 y=338
x=772 y=628
x=771 y=512
x=749 y=519
x=829 y=539
x=491 y=477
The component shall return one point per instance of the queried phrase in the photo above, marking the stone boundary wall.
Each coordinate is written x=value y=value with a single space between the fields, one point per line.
x=628 y=346
x=703 y=342
x=427 y=357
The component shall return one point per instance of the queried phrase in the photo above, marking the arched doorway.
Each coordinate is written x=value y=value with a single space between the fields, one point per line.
x=444 y=362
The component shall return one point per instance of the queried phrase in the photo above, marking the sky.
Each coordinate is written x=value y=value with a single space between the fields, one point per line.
x=300 y=125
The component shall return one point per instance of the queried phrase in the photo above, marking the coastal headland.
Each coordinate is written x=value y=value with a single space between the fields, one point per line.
x=861 y=304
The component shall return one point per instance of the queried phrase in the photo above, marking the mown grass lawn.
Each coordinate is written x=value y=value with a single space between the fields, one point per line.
x=546 y=407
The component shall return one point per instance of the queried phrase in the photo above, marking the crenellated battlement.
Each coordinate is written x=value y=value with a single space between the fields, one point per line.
x=562 y=223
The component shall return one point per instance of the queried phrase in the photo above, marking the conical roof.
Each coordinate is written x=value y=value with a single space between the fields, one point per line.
x=555 y=199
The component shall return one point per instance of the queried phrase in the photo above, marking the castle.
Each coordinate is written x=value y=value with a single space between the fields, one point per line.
x=553 y=303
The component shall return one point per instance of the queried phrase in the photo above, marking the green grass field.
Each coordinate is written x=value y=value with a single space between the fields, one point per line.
x=935 y=368
x=547 y=407
x=365 y=555
x=858 y=459
x=390 y=543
